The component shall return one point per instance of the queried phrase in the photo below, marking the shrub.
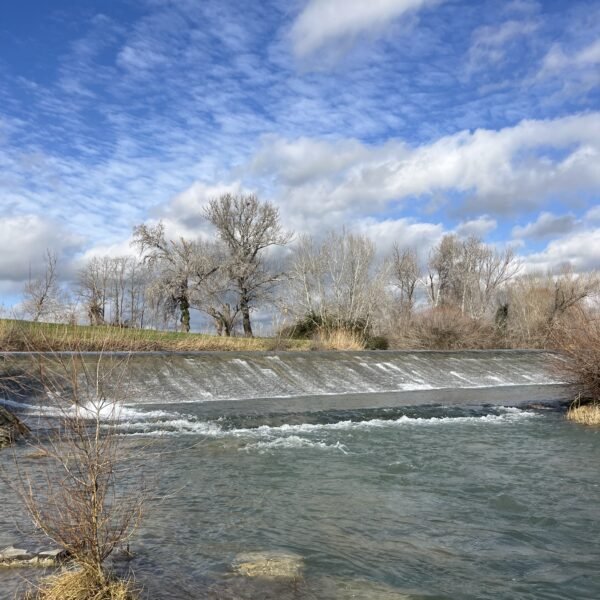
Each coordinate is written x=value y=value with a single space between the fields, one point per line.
x=77 y=500
x=446 y=329
x=305 y=328
x=377 y=342
x=579 y=343
x=339 y=339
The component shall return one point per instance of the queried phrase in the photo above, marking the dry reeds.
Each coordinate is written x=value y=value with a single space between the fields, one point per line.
x=81 y=585
x=339 y=339
x=588 y=414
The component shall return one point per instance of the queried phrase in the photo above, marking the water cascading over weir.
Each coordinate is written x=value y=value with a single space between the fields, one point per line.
x=354 y=379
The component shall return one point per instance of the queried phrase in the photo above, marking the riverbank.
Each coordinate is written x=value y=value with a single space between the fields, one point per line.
x=27 y=336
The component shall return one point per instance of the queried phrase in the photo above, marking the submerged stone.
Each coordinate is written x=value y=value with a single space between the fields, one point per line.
x=350 y=589
x=269 y=565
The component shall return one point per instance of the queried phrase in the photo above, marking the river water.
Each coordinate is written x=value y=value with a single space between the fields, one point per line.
x=441 y=494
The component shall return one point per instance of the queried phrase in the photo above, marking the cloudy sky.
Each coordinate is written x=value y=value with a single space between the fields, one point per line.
x=403 y=119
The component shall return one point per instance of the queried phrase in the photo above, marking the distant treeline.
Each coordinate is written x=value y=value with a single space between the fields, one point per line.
x=465 y=294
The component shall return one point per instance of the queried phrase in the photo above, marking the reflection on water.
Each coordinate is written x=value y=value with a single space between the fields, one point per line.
x=431 y=502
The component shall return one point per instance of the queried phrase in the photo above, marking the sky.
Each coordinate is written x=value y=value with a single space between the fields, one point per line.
x=400 y=119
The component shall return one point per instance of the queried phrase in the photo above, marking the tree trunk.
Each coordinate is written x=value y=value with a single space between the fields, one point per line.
x=227 y=328
x=184 y=306
x=245 y=310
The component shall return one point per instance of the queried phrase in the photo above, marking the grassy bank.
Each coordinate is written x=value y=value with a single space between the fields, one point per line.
x=26 y=336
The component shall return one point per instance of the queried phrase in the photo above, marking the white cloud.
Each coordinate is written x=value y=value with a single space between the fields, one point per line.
x=304 y=159
x=24 y=240
x=183 y=214
x=407 y=233
x=593 y=214
x=324 y=21
x=479 y=227
x=547 y=225
x=580 y=249
x=497 y=172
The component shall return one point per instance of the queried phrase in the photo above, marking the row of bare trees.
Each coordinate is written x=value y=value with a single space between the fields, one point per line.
x=339 y=281
x=226 y=278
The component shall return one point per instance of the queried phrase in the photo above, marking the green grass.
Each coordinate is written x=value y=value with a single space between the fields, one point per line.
x=50 y=337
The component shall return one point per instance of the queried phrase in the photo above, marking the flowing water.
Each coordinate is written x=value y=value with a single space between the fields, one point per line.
x=416 y=480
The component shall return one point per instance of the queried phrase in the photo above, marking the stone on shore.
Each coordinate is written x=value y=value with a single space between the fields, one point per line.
x=269 y=565
x=12 y=557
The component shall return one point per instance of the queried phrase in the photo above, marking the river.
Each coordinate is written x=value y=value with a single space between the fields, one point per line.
x=428 y=475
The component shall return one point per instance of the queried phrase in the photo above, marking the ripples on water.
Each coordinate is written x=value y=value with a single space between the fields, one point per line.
x=429 y=502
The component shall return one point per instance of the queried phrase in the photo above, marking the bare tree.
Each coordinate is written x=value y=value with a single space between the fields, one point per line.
x=179 y=264
x=247 y=227
x=406 y=273
x=541 y=304
x=337 y=281
x=217 y=297
x=137 y=281
x=466 y=274
x=76 y=499
x=43 y=298
x=92 y=286
x=442 y=267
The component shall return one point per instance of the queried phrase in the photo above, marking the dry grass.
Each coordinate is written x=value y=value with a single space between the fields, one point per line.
x=25 y=336
x=588 y=414
x=79 y=585
x=339 y=339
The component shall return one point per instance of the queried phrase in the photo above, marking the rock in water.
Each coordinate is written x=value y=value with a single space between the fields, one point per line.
x=11 y=427
x=269 y=565
x=17 y=558
x=14 y=554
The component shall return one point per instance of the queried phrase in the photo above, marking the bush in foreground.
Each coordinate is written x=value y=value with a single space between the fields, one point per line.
x=76 y=497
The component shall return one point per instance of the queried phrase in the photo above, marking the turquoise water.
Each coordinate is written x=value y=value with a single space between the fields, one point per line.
x=392 y=475
x=415 y=502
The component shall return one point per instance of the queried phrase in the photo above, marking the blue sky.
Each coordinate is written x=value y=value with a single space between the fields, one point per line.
x=402 y=119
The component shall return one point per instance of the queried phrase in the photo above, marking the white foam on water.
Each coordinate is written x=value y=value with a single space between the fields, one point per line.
x=171 y=427
x=295 y=442
x=461 y=377
x=107 y=410
x=131 y=421
x=508 y=416
x=185 y=426
x=241 y=363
